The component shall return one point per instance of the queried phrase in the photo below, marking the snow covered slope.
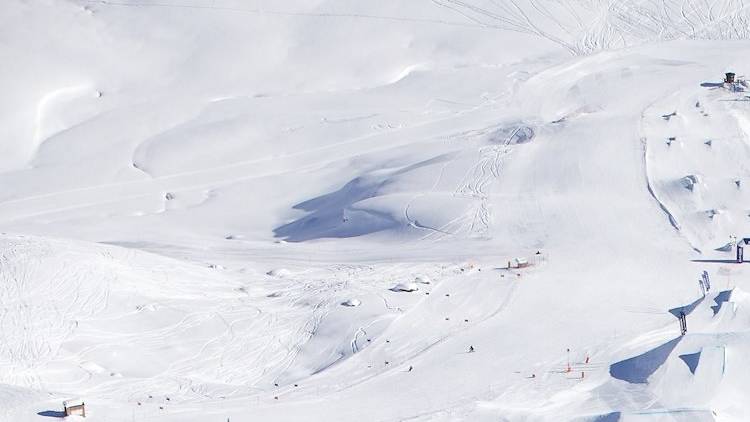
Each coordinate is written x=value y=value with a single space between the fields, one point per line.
x=322 y=210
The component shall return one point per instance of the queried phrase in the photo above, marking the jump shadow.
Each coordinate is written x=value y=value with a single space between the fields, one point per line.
x=720 y=299
x=52 y=414
x=691 y=360
x=637 y=369
x=609 y=417
x=686 y=309
x=717 y=261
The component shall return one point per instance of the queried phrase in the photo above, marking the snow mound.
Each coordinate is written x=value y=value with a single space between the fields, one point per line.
x=690 y=181
x=405 y=287
x=351 y=302
x=422 y=279
x=279 y=273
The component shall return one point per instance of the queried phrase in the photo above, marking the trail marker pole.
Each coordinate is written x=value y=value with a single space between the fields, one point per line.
x=683 y=323
x=706 y=281
x=740 y=254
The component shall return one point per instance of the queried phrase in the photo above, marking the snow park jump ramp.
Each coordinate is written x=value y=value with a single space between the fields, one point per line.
x=382 y=211
x=701 y=363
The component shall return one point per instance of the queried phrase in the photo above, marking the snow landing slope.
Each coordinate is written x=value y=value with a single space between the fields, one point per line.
x=302 y=210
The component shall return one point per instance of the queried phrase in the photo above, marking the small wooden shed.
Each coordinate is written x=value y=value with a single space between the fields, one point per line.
x=74 y=407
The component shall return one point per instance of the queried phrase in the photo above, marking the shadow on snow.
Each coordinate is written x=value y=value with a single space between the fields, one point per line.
x=52 y=414
x=691 y=360
x=687 y=309
x=637 y=369
x=720 y=299
x=338 y=214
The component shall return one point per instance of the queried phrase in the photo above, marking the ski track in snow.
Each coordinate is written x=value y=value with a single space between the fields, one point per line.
x=272 y=12
x=228 y=348
x=209 y=178
x=479 y=178
x=583 y=27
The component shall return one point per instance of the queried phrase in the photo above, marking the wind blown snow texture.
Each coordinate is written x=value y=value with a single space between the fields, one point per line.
x=218 y=210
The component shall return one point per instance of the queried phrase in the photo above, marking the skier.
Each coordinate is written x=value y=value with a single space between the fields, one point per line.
x=471 y=349
x=410 y=368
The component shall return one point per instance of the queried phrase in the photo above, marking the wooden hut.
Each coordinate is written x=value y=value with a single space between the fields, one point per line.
x=74 y=407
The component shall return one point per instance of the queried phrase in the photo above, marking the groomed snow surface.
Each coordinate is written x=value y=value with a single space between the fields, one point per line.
x=330 y=210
